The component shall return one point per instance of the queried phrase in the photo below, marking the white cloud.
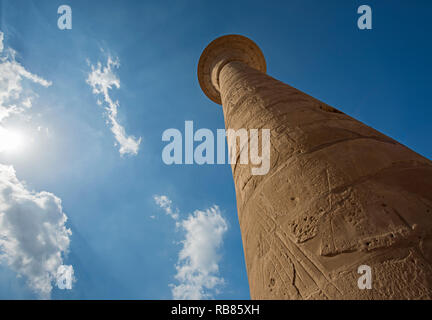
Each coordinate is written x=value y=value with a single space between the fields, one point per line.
x=1 y=41
x=65 y=277
x=27 y=102
x=198 y=264
x=12 y=74
x=198 y=261
x=165 y=203
x=33 y=235
x=102 y=79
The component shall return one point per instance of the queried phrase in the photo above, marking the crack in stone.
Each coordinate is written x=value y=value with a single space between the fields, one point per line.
x=330 y=144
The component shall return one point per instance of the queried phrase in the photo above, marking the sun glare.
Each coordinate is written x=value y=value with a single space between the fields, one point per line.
x=11 y=141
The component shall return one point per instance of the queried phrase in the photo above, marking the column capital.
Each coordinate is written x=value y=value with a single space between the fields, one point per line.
x=222 y=51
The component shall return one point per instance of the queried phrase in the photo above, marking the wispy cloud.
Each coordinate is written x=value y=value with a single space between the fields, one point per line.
x=33 y=235
x=198 y=262
x=1 y=41
x=12 y=74
x=102 y=79
x=166 y=204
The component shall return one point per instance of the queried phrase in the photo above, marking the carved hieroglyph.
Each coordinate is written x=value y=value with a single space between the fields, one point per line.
x=338 y=195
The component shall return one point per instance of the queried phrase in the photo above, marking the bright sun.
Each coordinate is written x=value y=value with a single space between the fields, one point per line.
x=11 y=141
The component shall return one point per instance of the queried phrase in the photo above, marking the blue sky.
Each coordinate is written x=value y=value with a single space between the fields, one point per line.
x=123 y=244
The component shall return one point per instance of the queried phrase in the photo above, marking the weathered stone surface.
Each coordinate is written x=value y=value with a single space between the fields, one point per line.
x=339 y=194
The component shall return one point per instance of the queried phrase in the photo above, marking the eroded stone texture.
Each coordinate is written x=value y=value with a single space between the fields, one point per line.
x=339 y=194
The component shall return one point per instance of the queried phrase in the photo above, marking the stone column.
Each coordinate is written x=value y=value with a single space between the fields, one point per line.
x=338 y=195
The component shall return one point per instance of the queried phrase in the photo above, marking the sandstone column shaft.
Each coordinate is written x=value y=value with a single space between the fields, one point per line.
x=338 y=195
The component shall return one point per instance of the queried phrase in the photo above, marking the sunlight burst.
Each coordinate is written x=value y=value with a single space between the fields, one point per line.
x=11 y=141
